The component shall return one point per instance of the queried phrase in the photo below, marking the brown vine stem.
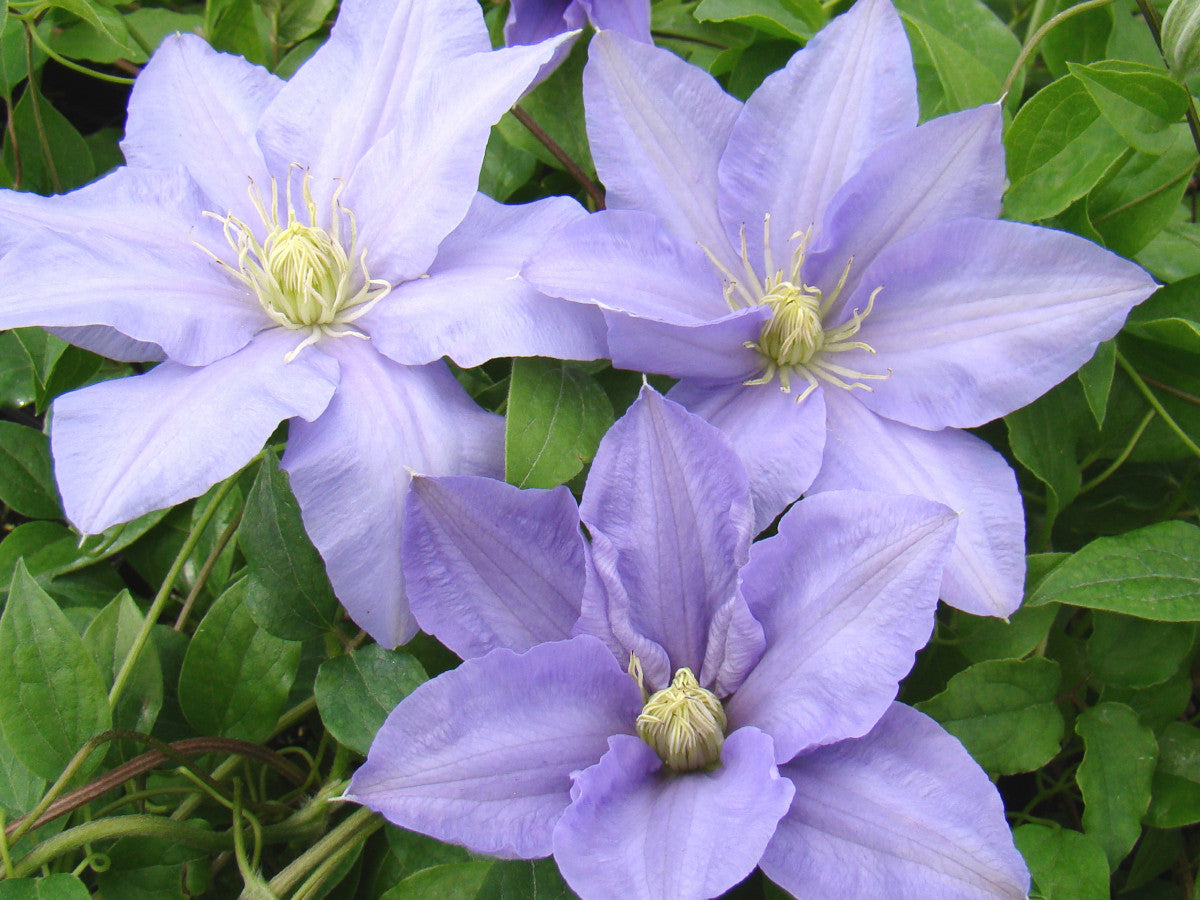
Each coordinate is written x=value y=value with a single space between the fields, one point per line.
x=151 y=759
x=572 y=167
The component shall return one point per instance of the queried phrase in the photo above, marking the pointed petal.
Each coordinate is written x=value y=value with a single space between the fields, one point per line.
x=488 y=565
x=1000 y=311
x=949 y=168
x=846 y=593
x=779 y=441
x=474 y=306
x=415 y=185
x=483 y=755
x=369 y=77
x=810 y=125
x=901 y=812
x=350 y=471
x=735 y=645
x=635 y=833
x=709 y=350
x=140 y=205
x=668 y=492
x=176 y=298
x=657 y=126
x=628 y=17
x=197 y=108
x=986 y=572
x=624 y=260
x=124 y=448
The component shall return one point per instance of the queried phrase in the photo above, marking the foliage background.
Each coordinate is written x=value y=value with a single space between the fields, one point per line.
x=222 y=740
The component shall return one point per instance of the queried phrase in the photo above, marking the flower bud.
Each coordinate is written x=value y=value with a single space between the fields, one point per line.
x=1181 y=37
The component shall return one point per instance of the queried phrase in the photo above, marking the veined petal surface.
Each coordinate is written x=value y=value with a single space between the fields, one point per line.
x=977 y=318
x=779 y=440
x=628 y=17
x=350 y=471
x=846 y=594
x=124 y=448
x=672 y=499
x=903 y=812
x=657 y=126
x=985 y=574
x=474 y=306
x=710 y=350
x=110 y=343
x=810 y=125
x=197 y=108
x=635 y=832
x=483 y=755
x=488 y=565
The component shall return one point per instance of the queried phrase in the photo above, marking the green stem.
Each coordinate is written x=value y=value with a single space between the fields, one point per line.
x=70 y=64
x=1120 y=460
x=1032 y=43
x=164 y=593
x=355 y=828
x=206 y=569
x=311 y=888
x=1154 y=402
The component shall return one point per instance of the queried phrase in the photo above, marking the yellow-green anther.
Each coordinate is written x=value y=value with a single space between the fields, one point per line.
x=1181 y=37
x=793 y=335
x=684 y=724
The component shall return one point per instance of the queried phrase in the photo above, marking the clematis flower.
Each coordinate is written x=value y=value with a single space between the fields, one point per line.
x=303 y=251
x=668 y=706
x=829 y=281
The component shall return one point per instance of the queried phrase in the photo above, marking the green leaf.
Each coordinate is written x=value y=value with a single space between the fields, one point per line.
x=1171 y=316
x=798 y=20
x=1138 y=101
x=106 y=21
x=1096 y=379
x=1004 y=713
x=484 y=880
x=236 y=676
x=1114 y=777
x=20 y=789
x=1156 y=706
x=1174 y=253
x=1151 y=573
x=240 y=26
x=965 y=45
x=1085 y=41
x=557 y=414
x=54 y=156
x=1058 y=147
x=1175 y=800
x=26 y=482
x=16 y=372
x=989 y=637
x=151 y=869
x=53 y=887
x=1136 y=653
x=109 y=639
x=54 y=698
x=300 y=18
x=355 y=693
x=452 y=881
x=289 y=594
x=505 y=167
x=1065 y=865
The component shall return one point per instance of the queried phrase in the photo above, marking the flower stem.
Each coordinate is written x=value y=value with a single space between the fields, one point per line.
x=1120 y=460
x=576 y=171
x=206 y=569
x=354 y=829
x=1034 y=40
x=164 y=593
x=1154 y=402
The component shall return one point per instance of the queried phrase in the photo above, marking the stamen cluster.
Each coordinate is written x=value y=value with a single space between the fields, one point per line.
x=684 y=724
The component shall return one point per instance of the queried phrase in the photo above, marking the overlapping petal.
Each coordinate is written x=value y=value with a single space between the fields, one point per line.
x=488 y=565
x=474 y=306
x=624 y=260
x=977 y=318
x=985 y=574
x=657 y=126
x=350 y=471
x=949 y=168
x=672 y=500
x=903 y=812
x=212 y=132
x=810 y=125
x=110 y=474
x=414 y=186
x=110 y=343
x=850 y=577
x=483 y=755
x=688 y=351
x=530 y=21
x=779 y=440
x=628 y=17
x=632 y=831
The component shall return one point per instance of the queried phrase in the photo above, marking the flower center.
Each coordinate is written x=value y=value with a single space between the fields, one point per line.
x=304 y=275
x=795 y=341
x=684 y=724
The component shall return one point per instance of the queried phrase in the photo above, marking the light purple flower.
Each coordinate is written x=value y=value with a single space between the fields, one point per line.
x=775 y=740
x=532 y=21
x=306 y=251
x=816 y=244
